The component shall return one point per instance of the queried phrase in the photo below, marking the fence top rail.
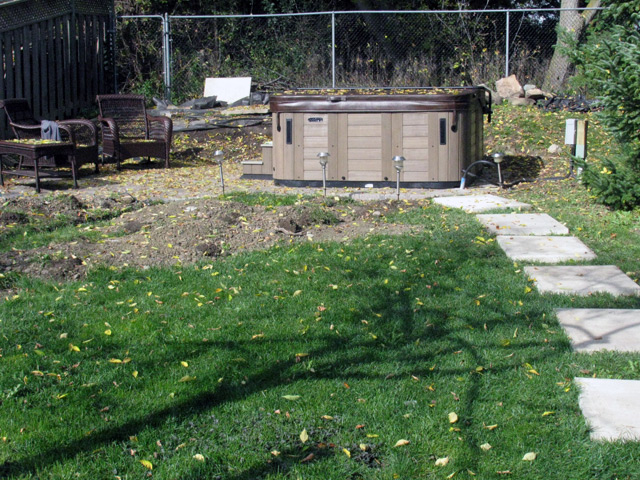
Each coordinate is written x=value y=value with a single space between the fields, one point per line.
x=351 y=12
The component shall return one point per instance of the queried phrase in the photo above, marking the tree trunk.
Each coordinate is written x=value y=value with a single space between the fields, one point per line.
x=573 y=22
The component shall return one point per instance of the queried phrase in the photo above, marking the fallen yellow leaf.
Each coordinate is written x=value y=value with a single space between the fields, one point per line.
x=304 y=436
x=529 y=457
x=199 y=457
x=453 y=417
x=147 y=464
x=402 y=442
x=442 y=462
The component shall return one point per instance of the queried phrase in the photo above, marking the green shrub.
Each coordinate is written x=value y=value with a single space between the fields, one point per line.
x=609 y=64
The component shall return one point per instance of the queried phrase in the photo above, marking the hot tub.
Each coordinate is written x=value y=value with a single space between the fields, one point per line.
x=439 y=131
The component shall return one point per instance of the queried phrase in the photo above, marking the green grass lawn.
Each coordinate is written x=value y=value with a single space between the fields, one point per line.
x=316 y=360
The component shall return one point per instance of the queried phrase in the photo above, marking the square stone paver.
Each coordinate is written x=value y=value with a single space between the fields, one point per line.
x=522 y=224
x=611 y=408
x=479 y=203
x=582 y=280
x=545 y=249
x=593 y=329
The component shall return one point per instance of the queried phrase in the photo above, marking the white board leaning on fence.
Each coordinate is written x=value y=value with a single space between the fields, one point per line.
x=229 y=89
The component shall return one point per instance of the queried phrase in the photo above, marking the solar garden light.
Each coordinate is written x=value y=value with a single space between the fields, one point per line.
x=498 y=158
x=218 y=156
x=398 y=163
x=324 y=159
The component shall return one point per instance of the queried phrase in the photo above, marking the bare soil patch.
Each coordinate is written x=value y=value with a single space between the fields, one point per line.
x=184 y=232
x=165 y=217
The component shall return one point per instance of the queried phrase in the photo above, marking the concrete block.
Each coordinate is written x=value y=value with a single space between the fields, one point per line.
x=545 y=249
x=594 y=329
x=522 y=224
x=611 y=408
x=582 y=280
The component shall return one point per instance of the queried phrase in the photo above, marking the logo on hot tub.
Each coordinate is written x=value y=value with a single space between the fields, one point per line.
x=315 y=120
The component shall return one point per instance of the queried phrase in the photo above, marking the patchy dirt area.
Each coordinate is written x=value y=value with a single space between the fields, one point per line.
x=181 y=232
x=146 y=216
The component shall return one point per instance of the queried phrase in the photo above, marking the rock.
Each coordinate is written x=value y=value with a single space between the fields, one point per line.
x=209 y=249
x=529 y=86
x=521 y=102
x=495 y=98
x=554 y=149
x=200 y=103
x=509 y=87
x=537 y=94
x=289 y=224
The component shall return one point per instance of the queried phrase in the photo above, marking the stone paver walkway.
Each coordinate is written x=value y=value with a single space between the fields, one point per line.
x=611 y=407
x=582 y=280
x=480 y=203
x=544 y=249
x=522 y=224
x=594 y=329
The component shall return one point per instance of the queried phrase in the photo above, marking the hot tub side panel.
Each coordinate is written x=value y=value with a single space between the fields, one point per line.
x=437 y=145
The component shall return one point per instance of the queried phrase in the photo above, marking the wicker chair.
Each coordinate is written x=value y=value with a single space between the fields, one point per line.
x=129 y=132
x=82 y=133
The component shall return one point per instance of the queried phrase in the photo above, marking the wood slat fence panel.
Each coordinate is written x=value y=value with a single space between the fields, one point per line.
x=58 y=62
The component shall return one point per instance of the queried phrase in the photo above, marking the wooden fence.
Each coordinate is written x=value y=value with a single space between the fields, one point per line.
x=58 y=54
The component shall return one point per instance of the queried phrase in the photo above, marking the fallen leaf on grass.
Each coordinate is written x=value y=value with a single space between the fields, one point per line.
x=147 y=464
x=442 y=462
x=186 y=378
x=347 y=452
x=453 y=417
x=184 y=364
x=199 y=457
x=291 y=398
x=529 y=457
x=546 y=414
x=306 y=459
x=402 y=442
x=486 y=447
x=304 y=436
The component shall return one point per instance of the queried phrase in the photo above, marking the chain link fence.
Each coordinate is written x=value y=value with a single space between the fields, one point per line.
x=170 y=57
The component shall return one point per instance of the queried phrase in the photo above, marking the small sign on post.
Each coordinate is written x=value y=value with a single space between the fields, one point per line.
x=581 y=139
x=570 y=131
